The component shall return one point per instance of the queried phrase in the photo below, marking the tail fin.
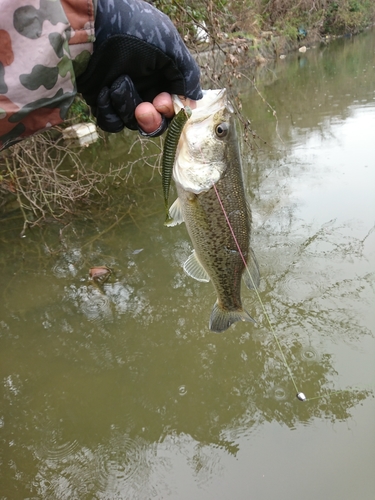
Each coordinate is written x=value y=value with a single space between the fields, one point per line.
x=221 y=319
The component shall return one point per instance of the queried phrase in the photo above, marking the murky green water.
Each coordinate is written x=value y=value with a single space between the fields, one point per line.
x=124 y=393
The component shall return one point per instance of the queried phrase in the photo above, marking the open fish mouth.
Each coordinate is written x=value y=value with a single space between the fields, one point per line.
x=213 y=100
x=199 y=162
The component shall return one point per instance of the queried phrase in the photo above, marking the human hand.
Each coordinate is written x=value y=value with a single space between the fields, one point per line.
x=150 y=116
x=139 y=60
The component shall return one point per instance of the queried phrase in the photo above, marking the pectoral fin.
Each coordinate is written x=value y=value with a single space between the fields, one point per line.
x=175 y=214
x=251 y=274
x=194 y=268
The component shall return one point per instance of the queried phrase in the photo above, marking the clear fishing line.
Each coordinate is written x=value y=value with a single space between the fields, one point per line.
x=300 y=395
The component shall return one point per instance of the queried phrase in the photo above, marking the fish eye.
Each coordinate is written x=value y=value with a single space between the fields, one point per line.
x=221 y=130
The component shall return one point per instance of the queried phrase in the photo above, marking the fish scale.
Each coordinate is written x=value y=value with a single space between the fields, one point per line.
x=212 y=203
x=212 y=238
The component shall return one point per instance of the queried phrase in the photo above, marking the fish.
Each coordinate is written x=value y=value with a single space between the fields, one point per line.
x=207 y=172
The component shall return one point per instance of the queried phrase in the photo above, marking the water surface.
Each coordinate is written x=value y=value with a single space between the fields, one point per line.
x=122 y=392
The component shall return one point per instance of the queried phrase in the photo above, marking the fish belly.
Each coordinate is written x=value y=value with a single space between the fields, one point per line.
x=218 y=222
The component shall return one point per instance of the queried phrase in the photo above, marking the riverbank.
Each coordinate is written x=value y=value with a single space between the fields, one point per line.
x=252 y=18
x=237 y=32
x=246 y=51
x=222 y=65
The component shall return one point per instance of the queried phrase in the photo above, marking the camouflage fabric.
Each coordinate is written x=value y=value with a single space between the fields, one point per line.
x=44 y=44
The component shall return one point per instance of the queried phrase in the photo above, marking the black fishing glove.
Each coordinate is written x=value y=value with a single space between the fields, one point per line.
x=138 y=54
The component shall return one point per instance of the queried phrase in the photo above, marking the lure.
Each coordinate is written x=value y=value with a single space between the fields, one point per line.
x=169 y=153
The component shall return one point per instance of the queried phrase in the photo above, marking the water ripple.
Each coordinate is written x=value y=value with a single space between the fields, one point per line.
x=55 y=448
x=121 y=461
x=309 y=354
x=92 y=302
x=68 y=471
x=279 y=393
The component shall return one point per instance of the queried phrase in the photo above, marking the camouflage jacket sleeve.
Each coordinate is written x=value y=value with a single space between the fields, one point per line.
x=44 y=45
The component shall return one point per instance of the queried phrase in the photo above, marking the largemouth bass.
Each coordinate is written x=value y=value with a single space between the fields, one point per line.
x=211 y=201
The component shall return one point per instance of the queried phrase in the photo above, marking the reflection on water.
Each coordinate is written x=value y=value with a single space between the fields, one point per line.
x=119 y=390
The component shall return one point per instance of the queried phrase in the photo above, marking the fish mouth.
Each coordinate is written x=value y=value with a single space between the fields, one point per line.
x=213 y=100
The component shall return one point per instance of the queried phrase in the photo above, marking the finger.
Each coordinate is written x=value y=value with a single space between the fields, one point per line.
x=124 y=100
x=160 y=130
x=164 y=104
x=148 y=118
x=106 y=116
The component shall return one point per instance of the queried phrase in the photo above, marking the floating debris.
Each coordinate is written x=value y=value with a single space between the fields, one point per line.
x=84 y=133
x=100 y=274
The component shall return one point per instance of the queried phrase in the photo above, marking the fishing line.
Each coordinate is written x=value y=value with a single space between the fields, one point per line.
x=300 y=395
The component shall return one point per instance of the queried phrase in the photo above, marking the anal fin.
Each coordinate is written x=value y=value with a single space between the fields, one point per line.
x=194 y=268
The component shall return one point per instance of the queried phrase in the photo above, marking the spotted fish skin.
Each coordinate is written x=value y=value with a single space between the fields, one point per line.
x=209 y=143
